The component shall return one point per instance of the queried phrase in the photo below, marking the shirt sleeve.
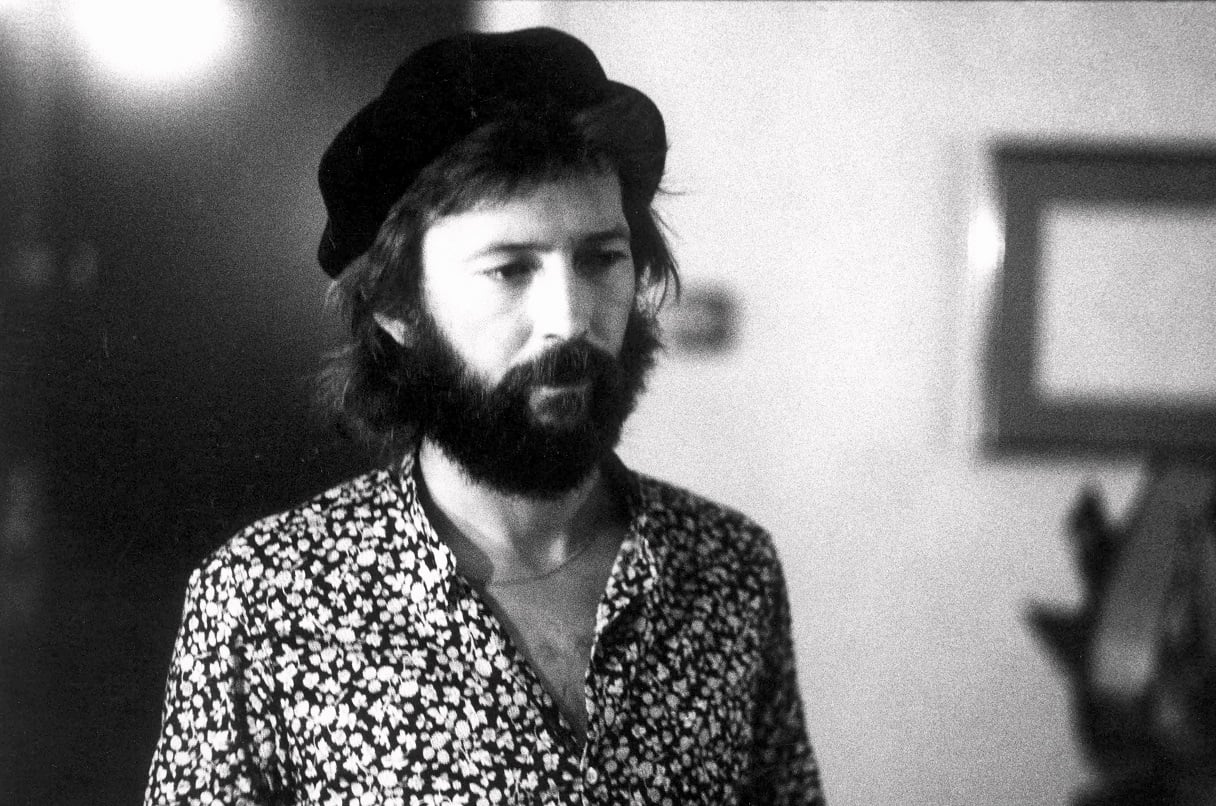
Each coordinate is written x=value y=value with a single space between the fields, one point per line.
x=783 y=769
x=205 y=754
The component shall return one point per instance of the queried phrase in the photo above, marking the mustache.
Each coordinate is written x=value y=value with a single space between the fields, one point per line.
x=567 y=363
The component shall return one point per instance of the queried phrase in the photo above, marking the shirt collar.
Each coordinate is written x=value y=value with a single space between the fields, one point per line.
x=418 y=567
x=639 y=571
x=421 y=569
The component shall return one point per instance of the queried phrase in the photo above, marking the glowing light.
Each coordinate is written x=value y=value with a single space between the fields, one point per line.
x=985 y=245
x=153 y=39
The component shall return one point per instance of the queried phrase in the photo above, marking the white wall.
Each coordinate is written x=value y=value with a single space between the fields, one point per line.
x=825 y=156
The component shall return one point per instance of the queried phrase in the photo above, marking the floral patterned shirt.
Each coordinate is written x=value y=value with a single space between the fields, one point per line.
x=332 y=654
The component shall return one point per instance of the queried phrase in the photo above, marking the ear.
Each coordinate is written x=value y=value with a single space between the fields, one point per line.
x=397 y=329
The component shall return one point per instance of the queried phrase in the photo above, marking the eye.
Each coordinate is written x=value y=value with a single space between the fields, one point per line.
x=595 y=261
x=514 y=271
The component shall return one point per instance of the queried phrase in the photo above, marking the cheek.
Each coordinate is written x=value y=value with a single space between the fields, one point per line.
x=490 y=345
x=617 y=302
x=484 y=331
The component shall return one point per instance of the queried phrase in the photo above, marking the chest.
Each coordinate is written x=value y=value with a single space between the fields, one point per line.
x=461 y=713
x=551 y=621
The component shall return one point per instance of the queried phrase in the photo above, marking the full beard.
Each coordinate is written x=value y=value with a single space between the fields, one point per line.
x=542 y=429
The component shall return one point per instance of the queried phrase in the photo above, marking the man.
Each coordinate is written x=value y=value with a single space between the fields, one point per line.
x=504 y=614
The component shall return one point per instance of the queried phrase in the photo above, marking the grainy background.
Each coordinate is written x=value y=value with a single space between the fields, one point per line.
x=160 y=312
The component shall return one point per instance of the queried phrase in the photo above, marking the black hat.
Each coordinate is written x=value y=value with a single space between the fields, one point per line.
x=437 y=97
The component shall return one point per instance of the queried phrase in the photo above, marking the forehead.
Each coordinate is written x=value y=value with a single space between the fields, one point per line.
x=551 y=211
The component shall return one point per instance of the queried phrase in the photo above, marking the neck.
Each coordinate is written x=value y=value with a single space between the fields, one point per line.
x=498 y=535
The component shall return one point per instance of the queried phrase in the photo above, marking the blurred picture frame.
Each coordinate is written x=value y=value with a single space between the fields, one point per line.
x=1101 y=335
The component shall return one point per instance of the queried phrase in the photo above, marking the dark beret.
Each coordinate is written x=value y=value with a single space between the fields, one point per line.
x=440 y=95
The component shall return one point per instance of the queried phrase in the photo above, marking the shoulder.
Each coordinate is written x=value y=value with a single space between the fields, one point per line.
x=306 y=543
x=696 y=531
x=314 y=529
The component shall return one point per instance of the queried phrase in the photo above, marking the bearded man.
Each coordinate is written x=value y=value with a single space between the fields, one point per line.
x=503 y=613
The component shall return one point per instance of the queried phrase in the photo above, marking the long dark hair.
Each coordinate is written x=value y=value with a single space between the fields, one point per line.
x=359 y=383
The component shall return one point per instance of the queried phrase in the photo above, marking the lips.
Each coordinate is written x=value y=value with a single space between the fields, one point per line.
x=560 y=403
x=566 y=365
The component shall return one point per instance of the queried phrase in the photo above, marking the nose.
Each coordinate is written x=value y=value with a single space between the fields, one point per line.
x=560 y=302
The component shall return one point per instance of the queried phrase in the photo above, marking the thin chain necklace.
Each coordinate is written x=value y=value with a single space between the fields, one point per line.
x=579 y=552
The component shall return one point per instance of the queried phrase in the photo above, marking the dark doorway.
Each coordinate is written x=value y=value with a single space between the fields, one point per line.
x=161 y=314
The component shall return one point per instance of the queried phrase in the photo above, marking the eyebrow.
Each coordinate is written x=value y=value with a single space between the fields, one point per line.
x=593 y=238
x=621 y=233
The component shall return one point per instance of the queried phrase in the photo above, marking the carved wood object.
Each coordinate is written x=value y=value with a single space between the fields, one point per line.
x=1140 y=651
